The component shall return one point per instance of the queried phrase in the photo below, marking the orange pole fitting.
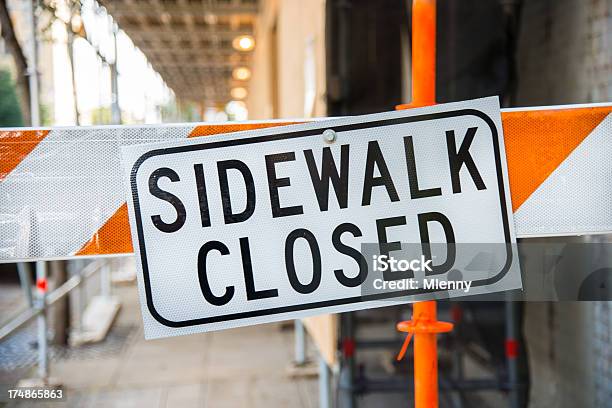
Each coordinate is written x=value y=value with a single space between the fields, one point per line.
x=424 y=324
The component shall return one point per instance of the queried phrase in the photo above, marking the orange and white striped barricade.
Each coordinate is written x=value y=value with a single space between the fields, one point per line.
x=61 y=193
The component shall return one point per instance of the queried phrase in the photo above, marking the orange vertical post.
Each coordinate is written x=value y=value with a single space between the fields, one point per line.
x=424 y=324
x=423 y=54
x=425 y=358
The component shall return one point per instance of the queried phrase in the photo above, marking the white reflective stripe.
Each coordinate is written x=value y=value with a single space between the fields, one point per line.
x=56 y=199
x=576 y=198
x=555 y=107
x=71 y=184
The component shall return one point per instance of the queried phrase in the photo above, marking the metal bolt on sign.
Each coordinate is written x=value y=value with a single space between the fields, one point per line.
x=329 y=136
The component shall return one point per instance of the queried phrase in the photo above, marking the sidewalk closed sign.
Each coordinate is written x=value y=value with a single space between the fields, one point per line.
x=274 y=224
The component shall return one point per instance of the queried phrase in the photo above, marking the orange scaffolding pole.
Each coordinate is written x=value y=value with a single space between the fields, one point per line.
x=424 y=324
x=423 y=54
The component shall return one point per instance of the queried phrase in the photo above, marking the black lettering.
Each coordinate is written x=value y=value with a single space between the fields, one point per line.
x=274 y=183
x=351 y=252
x=247 y=269
x=181 y=214
x=290 y=261
x=456 y=159
x=229 y=216
x=329 y=171
x=375 y=157
x=203 y=277
x=413 y=180
x=202 y=198
x=451 y=250
x=385 y=247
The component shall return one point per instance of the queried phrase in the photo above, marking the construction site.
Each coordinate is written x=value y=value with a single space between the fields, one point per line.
x=274 y=155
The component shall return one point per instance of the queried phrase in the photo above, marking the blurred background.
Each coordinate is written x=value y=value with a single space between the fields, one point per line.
x=65 y=63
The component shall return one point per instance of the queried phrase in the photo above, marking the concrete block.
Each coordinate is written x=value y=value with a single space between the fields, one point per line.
x=97 y=320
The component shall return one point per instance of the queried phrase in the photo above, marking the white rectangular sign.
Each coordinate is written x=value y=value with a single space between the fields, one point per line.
x=259 y=226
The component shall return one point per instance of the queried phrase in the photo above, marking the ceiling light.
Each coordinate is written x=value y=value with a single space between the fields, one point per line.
x=241 y=73
x=239 y=92
x=244 y=43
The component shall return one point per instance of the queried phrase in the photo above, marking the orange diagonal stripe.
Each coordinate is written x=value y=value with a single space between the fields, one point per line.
x=207 y=130
x=15 y=145
x=112 y=238
x=538 y=141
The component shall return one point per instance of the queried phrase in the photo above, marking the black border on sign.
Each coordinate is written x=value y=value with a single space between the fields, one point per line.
x=305 y=133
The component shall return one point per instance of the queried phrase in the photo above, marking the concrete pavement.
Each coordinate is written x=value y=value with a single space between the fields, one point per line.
x=244 y=367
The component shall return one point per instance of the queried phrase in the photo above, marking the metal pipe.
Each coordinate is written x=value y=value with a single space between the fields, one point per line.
x=424 y=313
x=115 y=110
x=324 y=384
x=458 y=368
x=27 y=315
x=377 y=343
x=17 y=322
x=105 y=281
x=425 y=358
x=26 y=282
x=398 y=383
x=300 y=342
x=347 y=374
x=77 y=297
x=512 y=353
x=424 y=52
x=33 y=67
x=63 y=290
x=41 y=285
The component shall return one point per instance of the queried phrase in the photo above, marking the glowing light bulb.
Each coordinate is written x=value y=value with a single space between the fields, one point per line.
x=241 y=73
x=238 y=92
x=244 y=43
